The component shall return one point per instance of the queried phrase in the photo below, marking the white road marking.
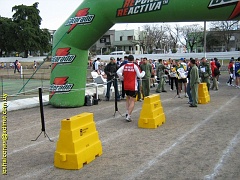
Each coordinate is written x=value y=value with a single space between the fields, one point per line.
x=105 y=141
x=53 y=138
x=150 y=163
x=223 y=159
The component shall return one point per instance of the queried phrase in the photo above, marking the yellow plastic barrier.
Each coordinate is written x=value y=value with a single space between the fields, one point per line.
x=203 y=94
x=78 y=142
x=152 y=115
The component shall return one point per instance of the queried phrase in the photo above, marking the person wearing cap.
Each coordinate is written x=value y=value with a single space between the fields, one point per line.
x=129 y=72
x=147 y=67
x=160 y=75
x=194 y=81
x=205 y=72
x=110 y=70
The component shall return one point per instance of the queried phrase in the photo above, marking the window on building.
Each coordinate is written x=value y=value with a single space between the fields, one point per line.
x=102 y=40
x=136 y=48
x=130 y=38
x=121 y=38
x=130 y=48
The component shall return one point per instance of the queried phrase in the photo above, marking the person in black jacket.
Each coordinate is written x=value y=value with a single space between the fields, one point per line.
x=217 y=63
x=189 y=67
x=110 y=70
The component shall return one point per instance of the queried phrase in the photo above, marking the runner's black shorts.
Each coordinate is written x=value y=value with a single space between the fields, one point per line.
x=182 y=80
x=131 y=93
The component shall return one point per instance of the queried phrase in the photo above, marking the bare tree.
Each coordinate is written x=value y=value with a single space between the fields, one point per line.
x=226 y=28
x=154 y=37
x=193 y=35
x=174 y=35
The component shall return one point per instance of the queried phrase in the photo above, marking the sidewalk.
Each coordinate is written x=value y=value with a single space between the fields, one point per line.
x=91 y=89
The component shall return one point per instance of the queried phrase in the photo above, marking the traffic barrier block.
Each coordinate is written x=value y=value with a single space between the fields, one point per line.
x=203 y=94
x=78 y=142
x=152 y=114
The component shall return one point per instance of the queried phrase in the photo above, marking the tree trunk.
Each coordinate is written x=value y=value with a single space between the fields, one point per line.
x=25 y=54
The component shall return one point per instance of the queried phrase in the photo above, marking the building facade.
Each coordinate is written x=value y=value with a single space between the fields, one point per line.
x=130 y=41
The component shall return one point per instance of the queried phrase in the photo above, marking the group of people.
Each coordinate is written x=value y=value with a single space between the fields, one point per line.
x=138 y=76
x=17 y=66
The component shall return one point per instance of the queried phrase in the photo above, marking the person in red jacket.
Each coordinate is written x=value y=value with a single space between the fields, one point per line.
x=129 y=72
x=215 y=73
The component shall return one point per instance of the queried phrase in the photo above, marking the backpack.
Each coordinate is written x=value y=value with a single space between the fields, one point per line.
x=216 y=71
x=93 y=64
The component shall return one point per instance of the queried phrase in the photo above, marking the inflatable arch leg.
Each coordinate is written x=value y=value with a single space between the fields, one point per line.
x=93 y=18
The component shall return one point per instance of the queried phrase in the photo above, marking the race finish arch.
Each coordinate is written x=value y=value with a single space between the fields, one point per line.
x=94 y=17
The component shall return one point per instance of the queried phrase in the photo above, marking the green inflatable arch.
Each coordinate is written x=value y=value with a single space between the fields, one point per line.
x=94 y=17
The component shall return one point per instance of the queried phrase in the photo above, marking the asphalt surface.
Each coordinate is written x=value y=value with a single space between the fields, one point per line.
x=194 y=143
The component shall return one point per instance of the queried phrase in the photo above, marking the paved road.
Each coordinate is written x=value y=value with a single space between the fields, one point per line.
x=194 y=143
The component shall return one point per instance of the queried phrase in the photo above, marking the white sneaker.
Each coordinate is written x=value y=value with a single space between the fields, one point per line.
x=128 y=118
x=186 y=95
x=170 y=89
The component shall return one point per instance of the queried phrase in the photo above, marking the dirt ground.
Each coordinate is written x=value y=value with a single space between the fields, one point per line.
x=194 y=143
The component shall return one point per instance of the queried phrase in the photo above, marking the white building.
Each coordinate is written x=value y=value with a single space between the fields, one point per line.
x=128 y=40
x=131 y=41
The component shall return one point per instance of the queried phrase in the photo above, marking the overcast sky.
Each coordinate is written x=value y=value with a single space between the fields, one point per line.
x=55 y=12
